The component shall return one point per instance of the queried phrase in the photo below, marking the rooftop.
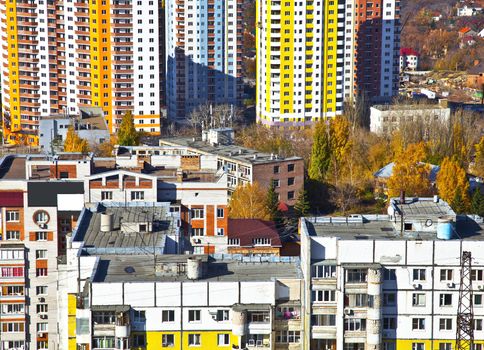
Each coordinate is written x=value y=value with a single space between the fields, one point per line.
x=387 y=171
x=248 y=229
x=12 y=168
x=131 y=268
x=135 y=229
x=382 y=228
x=422 y=207
x=235 y=152
x=400 y=107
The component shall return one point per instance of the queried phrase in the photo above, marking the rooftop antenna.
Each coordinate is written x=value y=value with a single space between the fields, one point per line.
x=464 y=338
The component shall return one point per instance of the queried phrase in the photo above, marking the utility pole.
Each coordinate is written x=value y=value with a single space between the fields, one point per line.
x=464 y=338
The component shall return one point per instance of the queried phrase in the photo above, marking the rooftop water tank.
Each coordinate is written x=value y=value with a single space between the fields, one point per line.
x=194 y=268
x=445 y=227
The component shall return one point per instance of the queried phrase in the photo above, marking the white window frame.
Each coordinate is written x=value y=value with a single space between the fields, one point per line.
x=194 y=315
x=194 y=339
x=223 y=339
x=12 y=216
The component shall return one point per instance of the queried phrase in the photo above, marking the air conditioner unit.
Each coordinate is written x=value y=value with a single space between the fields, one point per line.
x=41 y=299
x=43 y=226
x=417 y=285
x=480 y=287
x=44 y=317
x=348 y=311
x=451 y=285
x=386 y=334
x=197 y=241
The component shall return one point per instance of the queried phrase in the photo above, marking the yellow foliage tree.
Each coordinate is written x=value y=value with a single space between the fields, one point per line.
x=340 y=137
x=478 y=168
x=452 y=179
x=249 y=202
x=74 y=143
x=409 y=173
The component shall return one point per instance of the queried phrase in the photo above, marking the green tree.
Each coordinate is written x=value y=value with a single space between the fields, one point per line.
x=272 y=202
x=320 y=153
x=477 y=203
x=127 y=134
x=302 y=205
x=458 y=203
x=74 y=143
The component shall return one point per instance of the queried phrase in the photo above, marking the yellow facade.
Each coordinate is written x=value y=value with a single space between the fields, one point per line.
x=71 y=321
x=328 y=97
x=14 y=83
x=208 y=340
x=100 y=43
x=287 y=59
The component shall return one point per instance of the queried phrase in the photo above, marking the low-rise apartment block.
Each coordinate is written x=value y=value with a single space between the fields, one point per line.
x=244 y=165
x=390 y=281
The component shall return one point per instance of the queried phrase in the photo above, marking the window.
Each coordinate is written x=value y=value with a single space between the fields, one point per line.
x=389 y=299
x=290 y=181
x=445 y=346
x=223 y=339
x=12 y=327
x=41 y=254
x=41 y=272
x=13 y=235
x=139 y=340
x=445 y=324
x=356 y=275
x=288 y=337
x=223 y=315
x=358 y=300
x=261 y=241
x=478 y=300
x=197 y=232
x=276 y=169
x=42 y=308
x=197 y=213
x=477 y=347
x=324 y=271
x=41 y=344
x=389 y=275
x=418 y=346
x=446 y=275
x=106 y=195
x=389 y=323
x=12 y=215
x=194 y=340
x=194 y=316
x=64 y=175
x=168 y=316
x=41 y=217
x=290 y=167
x=139 y=316
x=476 y=275
x=419 y=274
x=355 y=324
x=220 y=213
x=41 y=236
x=445 y=299
x=137 y=195
x=220 y=231
x=168 y=340
x=290 y=195
x=324 y=296
x=104 y=317
x=259 y=317
x=42 y=327
x=418 y=324
x=418 y=299
x=11 y=254
x=323 y=320
x=478 y=324
x=12 y=272
x=41 y=290
x=233 y=242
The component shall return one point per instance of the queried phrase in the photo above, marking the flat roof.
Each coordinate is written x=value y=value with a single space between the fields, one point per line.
x=89 y=230
x=400 y=107
x=381 y=229
x=136 y=268
x=238 y=153
x=422 y=207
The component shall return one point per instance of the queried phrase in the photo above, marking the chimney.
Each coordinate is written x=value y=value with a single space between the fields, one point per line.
x=402 y=197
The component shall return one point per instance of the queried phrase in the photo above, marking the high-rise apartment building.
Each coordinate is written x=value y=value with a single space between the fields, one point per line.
x=59 y=55
x=314 y=55
x=203 y=54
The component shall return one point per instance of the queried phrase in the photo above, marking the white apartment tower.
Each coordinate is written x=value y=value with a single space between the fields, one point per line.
x=203 y=54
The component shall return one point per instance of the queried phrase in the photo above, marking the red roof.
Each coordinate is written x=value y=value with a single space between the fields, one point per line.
x=11 y=199
x=407 y=51
x=248 y=229
x=464 y=30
